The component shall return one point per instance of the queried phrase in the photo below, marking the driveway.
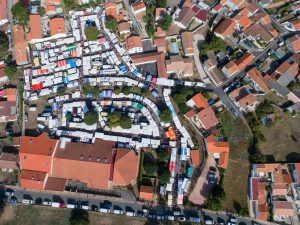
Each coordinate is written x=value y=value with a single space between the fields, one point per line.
x=202 y=188
x=203 y=75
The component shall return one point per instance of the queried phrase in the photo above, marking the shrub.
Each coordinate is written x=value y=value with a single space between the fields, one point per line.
x=125 y=122
x=165 y=116
x=91 y=33
x=61 y=91
x=91 y=117
x=20 y=13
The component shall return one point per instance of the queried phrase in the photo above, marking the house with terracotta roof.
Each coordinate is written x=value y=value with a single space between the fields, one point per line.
x=3 y=13
x=9 y=161
x=134 y=44
x=53 y=7
x=57 y=26
x=219 y=149
x=49 y=164
x=114 y=10
x=20 y=45
x=295 y=24
x=159 y=14
x=293 y=43
x=184 y=18
x=124 y=28
x=8 y=105
x=35 y=31
x=234 y=5
x=242 y=19
x=286 y=72
x=182 y=67
x=198 y=101
x=234 y=66
x=3 y=77
x=153 y=57
x=245 y=100
x=195 y=157
x=160 y=43
x=187 y=43
x=225 y=28
x=146 y=193
x=205 y=119
x=259 y=34
x=278 y=178
x=257 y=81
x=139 y=9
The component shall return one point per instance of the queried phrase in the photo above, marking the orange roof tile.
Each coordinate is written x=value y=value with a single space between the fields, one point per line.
x=32 y=179
x=55 y=184
x=10 y=94
x=200 y=101
x=158 y=57
x=296 y=23
x=35 y=27
x=125 y=167
x=279 y=189
x=57 y=26
x=257 y=77
x=231 y=67
x=187 y=42
x=243 y=61
x=283 y=208
x=146 y=193
x=295 y=43
x=20 y=45
x=110 y=10
x=208 y=118
x=216 y=146
x=3 y=11
x=267 y=168
x=195 y=157
x=133 y=42
x=160 y=12
x=138 y=5
x=190 y=114
x=225 y=27
x=41 y=145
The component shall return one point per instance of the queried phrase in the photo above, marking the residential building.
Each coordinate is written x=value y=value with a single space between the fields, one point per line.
x=242 y=19
x=234 y=66
x=184 y=18
x=134 y=44
x=114 y=10
x=230 y=68
x=195 y=157
x=124 y=28
x=57 y=26
x=9 y=161
x=200 y=14
x=282 y=210
x=3 y=77
x=183 y=67
x=198 y=101
x=160 y=43
x=20 y=45
x=8 y=105
x=139 y=9
x=35 y=31
x=153 y=57
x=159 y=14
x=206 y=119
x=259 y=34
x=3 y=13
x=219 y=149
x=53 y=7
x=245 y=100
x=234 y=5
x=49 y=164
x=225 y=28
x=146 y=193
x=187 y=43
x=293 y=43
x=295 y=24
x=257 y=80
x=286 y=72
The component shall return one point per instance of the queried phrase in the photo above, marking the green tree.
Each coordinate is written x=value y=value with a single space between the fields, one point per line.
x=166 y=23
x=117 y=90
x=41 y=11
x=164 y=176
x=61 y=91
x=79 y=217
x=111 y=24
x=215 y=197
x=150 y=29
x=212 y=42
x=69 y=4
x=162 y=154
x=114 y=119
x=149 y=19
x=3 y=44
x=20 y=13
x=88 y=89
x=161 y=3
x=69 y=116
x=91 y=33
x=125 y=122
x=126 y=90
x=10 y=71
x=91 y=117
x=135 y=89
x=165 y=116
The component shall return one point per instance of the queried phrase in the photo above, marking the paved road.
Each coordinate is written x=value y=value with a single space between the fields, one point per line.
x=203 y=75
x=117 y=203
x=135 y=23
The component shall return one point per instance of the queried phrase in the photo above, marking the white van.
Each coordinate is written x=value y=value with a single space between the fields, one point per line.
x=208 y=222
x=27 y=201
x=85 y=207
x=118 y=211
x=47 y=203
x=70 y=206
x=128 y=213
x=104 y=210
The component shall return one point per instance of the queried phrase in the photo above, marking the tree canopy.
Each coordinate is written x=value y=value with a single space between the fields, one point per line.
x=212 y=42
x=4 y=44
x=10 y=71
x=114 y=119
x=125 y=122
x=20 y=13
x=88 y=89
x=91 y=117
x=149 y=19
x=166 y=23
x=165 y=116
x=161 y=3
x=91 y=33
x=61 y=91
x=111 y=24
x=79 y=217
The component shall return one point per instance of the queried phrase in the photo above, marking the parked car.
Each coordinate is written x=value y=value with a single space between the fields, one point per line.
x=208 y=221
x=9 y=192
x=181 y=218
x=47 y=202
x=12 y=200
x=271 y=52
x=27 y=201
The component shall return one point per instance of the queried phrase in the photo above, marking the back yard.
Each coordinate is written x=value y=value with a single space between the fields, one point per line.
x=235 y=181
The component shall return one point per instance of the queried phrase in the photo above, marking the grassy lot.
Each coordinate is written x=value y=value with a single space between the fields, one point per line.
x=28 y=215
x=236 y=175
x=282 y=139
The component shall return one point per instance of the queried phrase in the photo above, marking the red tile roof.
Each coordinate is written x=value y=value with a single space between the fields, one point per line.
x=3 y=10
x=32 y=179
x=202 y=15
x=257 y=77
x=208 y=118
x=146 y=193
x=225 y=27
x=195 y=157
x=20 y=44
x=221 y=147
x=57 y=26
x=283 y=208
x=55 y=184
x=133 y=42
x=295 y=43
x=200 y=101
x=35 y=27
x=187 y=42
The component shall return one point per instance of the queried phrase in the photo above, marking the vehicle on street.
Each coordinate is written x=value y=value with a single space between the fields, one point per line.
x=12 y=200
x=47 y=202
x=181 y=218
x=70 y=206
x=208 y=222
x=170 y=217
x=176 y=212
x=118 y=211
x=9 y=192
x=271 y=52
x=104 y=210
x=140 y=214
x=27 y=201
x=85 y=207
x=130 y=213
